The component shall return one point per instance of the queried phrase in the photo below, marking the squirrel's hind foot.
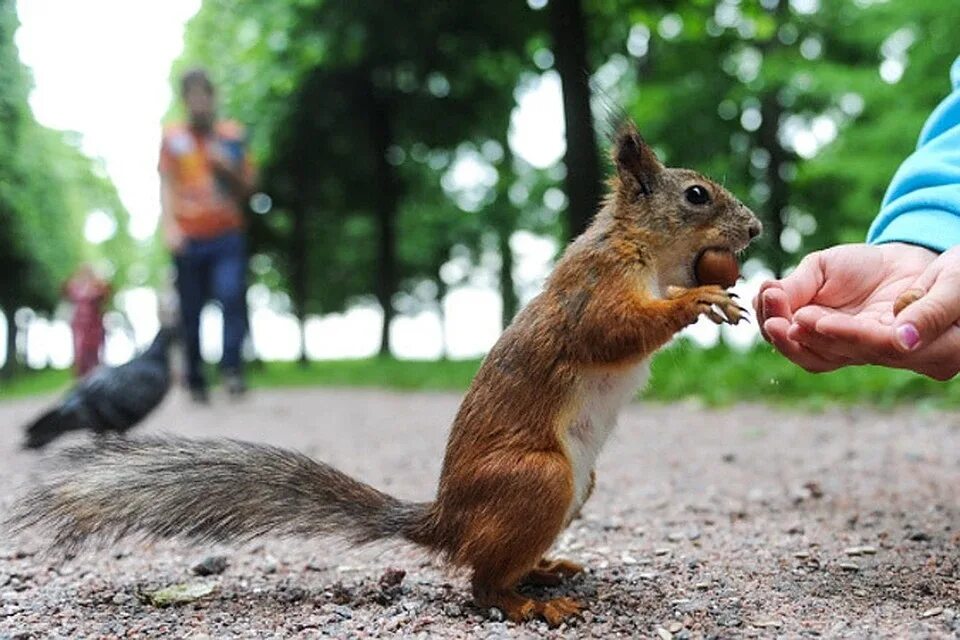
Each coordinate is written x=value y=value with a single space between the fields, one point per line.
x=518 y=608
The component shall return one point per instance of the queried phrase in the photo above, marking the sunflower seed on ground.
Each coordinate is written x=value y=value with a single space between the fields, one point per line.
x=765 y=623
x=664 y=634
x=801 y=555
x=176 y=594
x=675 y=627
x=849 y=566
x=865 y=550
x=930 y=613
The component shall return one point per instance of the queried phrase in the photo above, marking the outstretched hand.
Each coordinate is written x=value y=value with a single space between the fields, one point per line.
x=837 y=309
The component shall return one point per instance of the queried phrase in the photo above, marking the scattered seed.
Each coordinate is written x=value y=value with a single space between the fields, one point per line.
x=176 y=594
x=702 y=585
x=675 y=627
x=763 y=624
x=801 y=555
x=662 y=551
x=849 y=566
x=861 y=551
x=664 y=634
x=930 y=613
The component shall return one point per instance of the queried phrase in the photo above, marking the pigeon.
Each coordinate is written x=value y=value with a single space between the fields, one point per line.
x=109 y=399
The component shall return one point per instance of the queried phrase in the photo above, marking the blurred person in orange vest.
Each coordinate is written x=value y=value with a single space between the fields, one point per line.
x=206 y=179
x=87 y=293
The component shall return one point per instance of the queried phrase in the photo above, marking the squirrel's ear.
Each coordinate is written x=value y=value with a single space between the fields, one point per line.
x=637 y=165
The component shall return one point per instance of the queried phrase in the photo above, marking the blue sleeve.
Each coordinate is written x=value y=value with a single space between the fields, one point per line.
x=922 y=203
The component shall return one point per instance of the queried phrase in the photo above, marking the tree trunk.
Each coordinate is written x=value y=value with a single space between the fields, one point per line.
x=387 y=199
x=508 y=292
x=10 y=364
x=300 y=274
x=775 y=208
x=505 y=223
x=583 y=181
x=442 y=290
x=769 y=139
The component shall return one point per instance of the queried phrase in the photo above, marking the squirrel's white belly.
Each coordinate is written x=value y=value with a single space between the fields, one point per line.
x=604 y=395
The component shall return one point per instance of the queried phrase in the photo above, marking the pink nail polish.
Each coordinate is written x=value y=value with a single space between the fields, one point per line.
x=908 y=336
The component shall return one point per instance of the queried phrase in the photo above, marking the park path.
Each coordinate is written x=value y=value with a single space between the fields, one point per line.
x=738 y=522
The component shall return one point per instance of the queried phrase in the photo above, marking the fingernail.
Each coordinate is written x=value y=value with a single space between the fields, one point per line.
x=908 y=336
x=765 y=304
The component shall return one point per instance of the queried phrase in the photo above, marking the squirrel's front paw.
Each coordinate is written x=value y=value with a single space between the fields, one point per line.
x=713 y=301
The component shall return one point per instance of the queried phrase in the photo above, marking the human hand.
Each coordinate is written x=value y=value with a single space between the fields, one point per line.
x=219 y=159
x=837 y=309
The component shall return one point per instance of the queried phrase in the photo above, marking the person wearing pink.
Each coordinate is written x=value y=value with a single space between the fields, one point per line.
x=87 y=293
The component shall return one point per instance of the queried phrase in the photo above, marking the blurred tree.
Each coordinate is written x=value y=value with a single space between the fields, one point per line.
x=47 y=190
x=343 y=95
x=787 y=103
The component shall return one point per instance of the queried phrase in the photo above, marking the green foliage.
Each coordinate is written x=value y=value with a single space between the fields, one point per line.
x=47 y=189
x=383 y=373
x=762 y=375
x=329 y=89
x=35 y=383
x=694 y=92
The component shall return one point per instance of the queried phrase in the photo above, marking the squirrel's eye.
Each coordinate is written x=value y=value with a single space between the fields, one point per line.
x=697 y=195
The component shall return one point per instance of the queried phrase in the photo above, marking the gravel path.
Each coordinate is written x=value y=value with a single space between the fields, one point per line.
x=742 y=522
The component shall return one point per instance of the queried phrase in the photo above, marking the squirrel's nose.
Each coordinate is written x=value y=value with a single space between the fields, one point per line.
x=755 y=229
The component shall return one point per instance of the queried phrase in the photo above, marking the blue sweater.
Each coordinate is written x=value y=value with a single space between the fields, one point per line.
x=922 y=203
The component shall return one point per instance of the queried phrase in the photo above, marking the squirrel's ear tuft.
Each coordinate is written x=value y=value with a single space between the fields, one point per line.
x=637 y=164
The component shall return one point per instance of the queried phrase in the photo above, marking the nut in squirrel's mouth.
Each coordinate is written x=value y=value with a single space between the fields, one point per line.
x=716 y=265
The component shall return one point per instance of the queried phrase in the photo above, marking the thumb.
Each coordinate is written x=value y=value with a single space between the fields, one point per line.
x=935 y=307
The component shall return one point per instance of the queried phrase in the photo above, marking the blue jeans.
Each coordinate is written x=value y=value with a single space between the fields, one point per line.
x=213 y=268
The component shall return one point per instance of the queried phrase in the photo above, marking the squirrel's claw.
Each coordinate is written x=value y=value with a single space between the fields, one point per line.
x=715 y=316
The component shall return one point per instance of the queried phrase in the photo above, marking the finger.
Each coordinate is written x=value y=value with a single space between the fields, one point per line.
x=773 y=304
x=837 y=351
x=812 y=342
x=874 y=338
x=777 y=329
x=801 y=286
x=940 y=360
x=758 y=301
x=807 y=317
x=929 y=317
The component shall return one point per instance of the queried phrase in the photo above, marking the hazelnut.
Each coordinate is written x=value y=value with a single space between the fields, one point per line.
x=717 y=266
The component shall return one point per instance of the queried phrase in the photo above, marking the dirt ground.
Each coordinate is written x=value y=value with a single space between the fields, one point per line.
x=742 y=522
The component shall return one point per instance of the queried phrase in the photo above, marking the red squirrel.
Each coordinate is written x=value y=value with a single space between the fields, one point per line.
x=519 y=462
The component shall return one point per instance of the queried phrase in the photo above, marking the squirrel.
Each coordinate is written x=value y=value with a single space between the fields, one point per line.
x=519 y=463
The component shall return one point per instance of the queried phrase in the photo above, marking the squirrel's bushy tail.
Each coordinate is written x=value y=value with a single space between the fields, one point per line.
x=209 y=490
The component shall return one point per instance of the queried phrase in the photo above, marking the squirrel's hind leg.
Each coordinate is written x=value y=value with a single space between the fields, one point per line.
x=506 y=544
